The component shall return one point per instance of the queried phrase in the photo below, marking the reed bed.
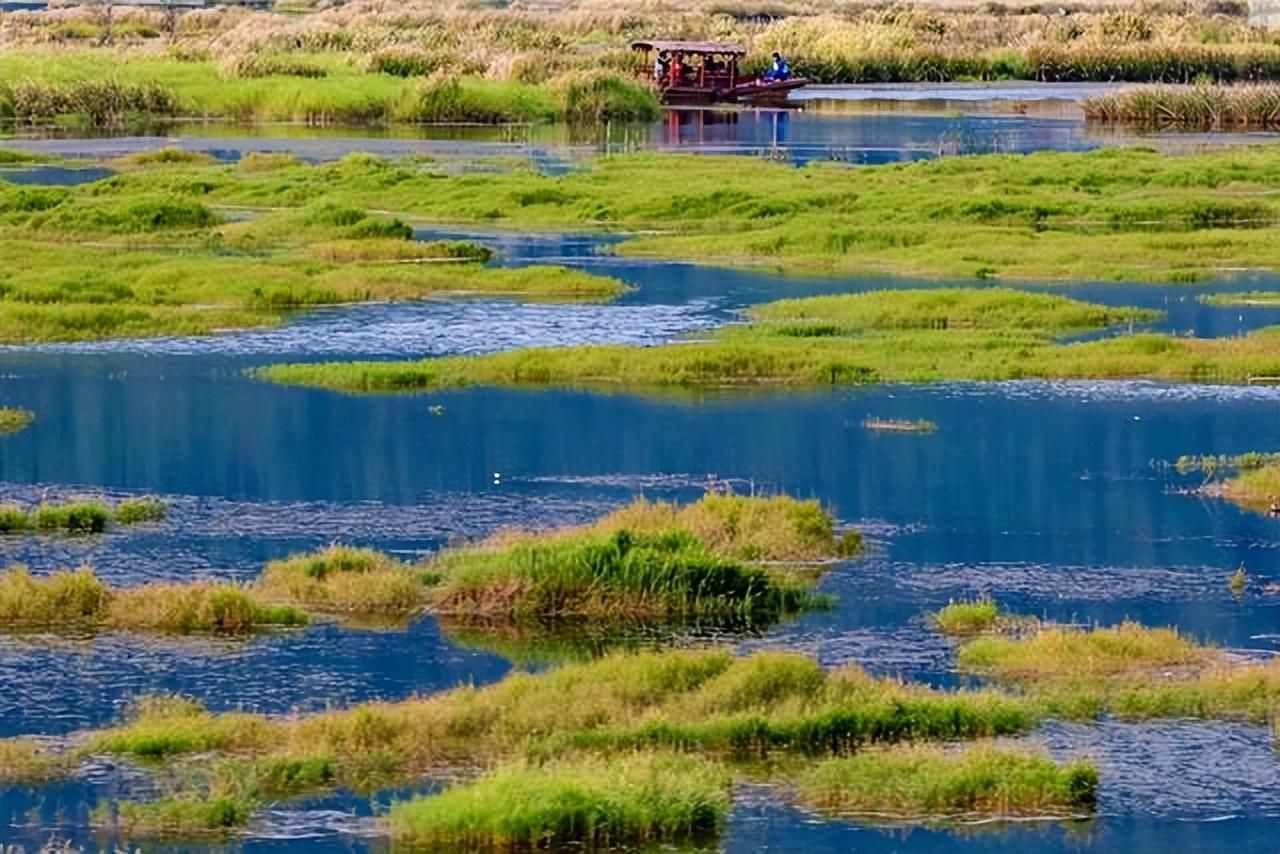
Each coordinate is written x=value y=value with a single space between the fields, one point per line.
x=1202 y=107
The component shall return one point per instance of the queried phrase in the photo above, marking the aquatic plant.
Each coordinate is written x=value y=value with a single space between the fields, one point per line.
x=14 y=420
x=340 y=578
x=1249 y=298
x=77 y=517
x=1207 y=107
x=638 y=798
x=648 y=559
x=968 y=617
x=1055 y=651
x=187 y=815
x=1238 y=581
x=900 y=425
x=934 y=784
x=79 y=599
x=162 y=726
x=135 y=511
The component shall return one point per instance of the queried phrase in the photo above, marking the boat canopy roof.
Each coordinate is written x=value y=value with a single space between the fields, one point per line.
x=704 y=48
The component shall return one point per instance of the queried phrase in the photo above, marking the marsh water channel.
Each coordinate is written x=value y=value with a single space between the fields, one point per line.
x=1048 y=496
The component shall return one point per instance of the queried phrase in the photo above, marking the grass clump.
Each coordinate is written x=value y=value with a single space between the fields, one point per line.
x=926 y=782
x=968 y=617
x=1056 y=651
x=135 y=511
x=79 y=599
x=79 y=517
x=1251 y=480
x=61 y=599
x=165 y=726
x=14 y=420
x=26 y=760
x=339 y=578
x=648 y=559
x=212 y=607
x=186 y=815
x=1249 y=298
x=631 y=799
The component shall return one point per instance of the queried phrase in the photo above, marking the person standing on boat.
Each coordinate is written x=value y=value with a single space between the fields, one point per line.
x=779 y=70
x=661 y=63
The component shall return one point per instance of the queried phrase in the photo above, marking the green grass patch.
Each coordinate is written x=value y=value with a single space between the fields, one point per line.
x=598 y=802
x=164 y=726
x=343 y=579
x=1057 y=651
x=80 y=517
x=930 y=783
x=879 y=337
x=28 y=761
x=182 y=816
x=648 y=560
x=1264 y=299
x=968 y=617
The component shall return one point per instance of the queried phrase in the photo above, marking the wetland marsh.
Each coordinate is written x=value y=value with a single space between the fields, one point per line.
x=736 y=504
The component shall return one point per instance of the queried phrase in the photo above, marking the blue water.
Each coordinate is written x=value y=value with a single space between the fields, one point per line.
x=1047 y=496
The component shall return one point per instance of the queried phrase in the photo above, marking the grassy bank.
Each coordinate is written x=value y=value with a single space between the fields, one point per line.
x=1251 y=480
x=877 y=337
x=105 y=87
x=633 y=799
x=65 y=600
x=148 y=253
x=935 y=784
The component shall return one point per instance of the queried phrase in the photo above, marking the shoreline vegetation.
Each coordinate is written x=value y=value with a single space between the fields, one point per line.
x=918 y=336
x=431 y=61
x=1247 y=107
x=721 y=558
x=88 y=516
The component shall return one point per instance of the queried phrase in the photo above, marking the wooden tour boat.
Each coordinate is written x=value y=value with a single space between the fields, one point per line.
x=694 y=73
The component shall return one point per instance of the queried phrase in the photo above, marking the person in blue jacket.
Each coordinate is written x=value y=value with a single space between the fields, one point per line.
x=779 y=70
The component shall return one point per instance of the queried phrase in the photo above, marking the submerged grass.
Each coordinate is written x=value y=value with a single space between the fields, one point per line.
x=594 y=801
x=930 y=783
x=14 y=420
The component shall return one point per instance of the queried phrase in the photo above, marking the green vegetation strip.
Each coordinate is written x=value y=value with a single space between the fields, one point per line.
x=1128 y=670
x=882 y=336
x=80 y=517
x=600 y=802
x=146 y=253
x=926 y=782
x=1251 y=480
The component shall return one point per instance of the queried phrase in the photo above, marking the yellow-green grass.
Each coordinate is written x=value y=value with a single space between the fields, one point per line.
x=66 y=600
x=1208 y=107
x=930 y=783
x=185 y=815
x=80 y=517
x=704 y=700
x=26 y=760
x=968 y=617
x=1064 y=651
x=844 y=341
x=344 y=579
x=647 y=560
x=15 y=420
x=1255 y=488
x=1105 y=215
x=598 y=802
